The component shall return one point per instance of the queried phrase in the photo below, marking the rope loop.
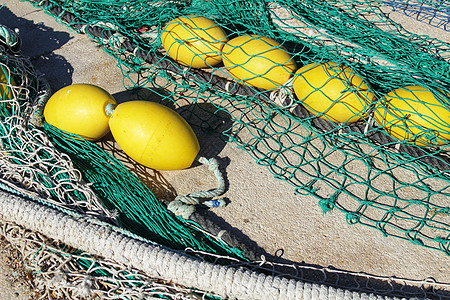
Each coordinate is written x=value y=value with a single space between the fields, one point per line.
x=184 y=205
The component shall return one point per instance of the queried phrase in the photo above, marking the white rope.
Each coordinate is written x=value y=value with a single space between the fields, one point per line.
x=160 y=262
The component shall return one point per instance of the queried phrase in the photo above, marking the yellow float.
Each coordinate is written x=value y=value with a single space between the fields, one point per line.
x=334 y=92
x=194 y=41
x=416 y=115
x=154 y=135
x=80 y=109
x=5 y=90
x=258 y=61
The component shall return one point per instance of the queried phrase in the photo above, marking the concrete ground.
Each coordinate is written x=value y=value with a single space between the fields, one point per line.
x=263 y=212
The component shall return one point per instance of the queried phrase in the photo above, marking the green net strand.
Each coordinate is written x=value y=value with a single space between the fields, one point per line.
x=396 y=187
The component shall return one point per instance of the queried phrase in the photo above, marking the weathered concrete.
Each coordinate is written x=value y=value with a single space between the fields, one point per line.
x=13 y=284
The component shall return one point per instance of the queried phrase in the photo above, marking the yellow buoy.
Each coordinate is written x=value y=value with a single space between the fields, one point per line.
x=80 y=109
x=334 y=92
x=416 y=115
x=258 y=61
x=5 y=90
x=194 y=41
x=154 y=135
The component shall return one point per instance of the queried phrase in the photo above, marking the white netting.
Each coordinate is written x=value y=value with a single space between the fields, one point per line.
x=28 y=161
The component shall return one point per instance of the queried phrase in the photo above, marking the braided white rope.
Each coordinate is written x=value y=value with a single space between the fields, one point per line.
x=160 y=262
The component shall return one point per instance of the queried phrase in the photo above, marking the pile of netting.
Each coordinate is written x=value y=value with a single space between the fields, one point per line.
x=33 y=165
x=377 y=180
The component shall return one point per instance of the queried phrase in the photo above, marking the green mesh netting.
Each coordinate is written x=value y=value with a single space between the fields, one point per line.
x=136 y=207
x=396 y=187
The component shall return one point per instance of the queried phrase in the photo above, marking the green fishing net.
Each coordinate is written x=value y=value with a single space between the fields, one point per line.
x=372 y=175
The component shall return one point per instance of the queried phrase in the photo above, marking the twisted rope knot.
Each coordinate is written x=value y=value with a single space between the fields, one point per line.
x=184 y=205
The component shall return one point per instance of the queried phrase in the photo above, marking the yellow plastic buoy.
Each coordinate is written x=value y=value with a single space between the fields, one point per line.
x=335 y=92
x=194 y=41
x=154 y=135
x=5 y=90
x=258 y=61
x=80 y=109
x=414 y=114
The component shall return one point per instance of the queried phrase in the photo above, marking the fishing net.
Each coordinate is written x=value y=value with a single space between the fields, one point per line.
x=60 y=271
x=433 y=12
x=395 y=186
x=34 y=166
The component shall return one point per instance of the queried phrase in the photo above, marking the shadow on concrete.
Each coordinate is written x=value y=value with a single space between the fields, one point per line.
x=276 y=265
x=209 y=125
x=38 y=43
x=147 y=94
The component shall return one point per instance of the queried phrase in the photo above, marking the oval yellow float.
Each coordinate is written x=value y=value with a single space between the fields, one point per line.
x=80 y=109
x=154 y=135
x=194 y=41
x=258 y=61
x=414 y=114
x=334 y=92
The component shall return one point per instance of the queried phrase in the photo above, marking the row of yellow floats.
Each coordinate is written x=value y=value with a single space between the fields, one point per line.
x=334 y=92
